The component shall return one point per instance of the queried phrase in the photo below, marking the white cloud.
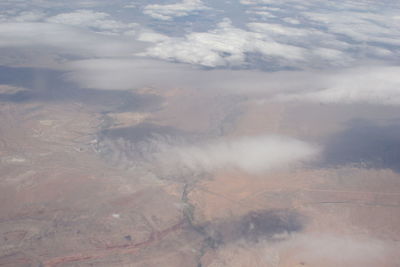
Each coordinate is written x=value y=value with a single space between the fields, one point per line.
x=338 y=250
x=124 y=74
x=225 y=45
x=263 y=14
x=98 y=21
x=28 y=16
x=360 y=26
x=320 y=34
x=168 y=12
x=373 y=85
x=357 y=29
x=291 y=20
x=278 y=29
x=48 y=4
x=251 y=154
x=256 y=2
x=57 y=38
x=81 y=18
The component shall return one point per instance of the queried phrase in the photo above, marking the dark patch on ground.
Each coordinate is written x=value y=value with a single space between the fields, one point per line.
x=141 y=132
x=137 y=145
x=47 y=85
x=366 y=144
x=271 y=225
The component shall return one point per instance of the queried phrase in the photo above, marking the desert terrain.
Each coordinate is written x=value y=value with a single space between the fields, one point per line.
x=80 y=187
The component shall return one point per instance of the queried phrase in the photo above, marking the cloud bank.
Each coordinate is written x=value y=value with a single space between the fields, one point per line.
x=378 y=85
x=374 y=85
x=29 y=43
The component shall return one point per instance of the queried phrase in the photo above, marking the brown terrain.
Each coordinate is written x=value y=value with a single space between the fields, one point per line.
x=63 y=203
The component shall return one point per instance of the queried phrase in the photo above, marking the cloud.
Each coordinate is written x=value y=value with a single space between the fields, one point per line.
x=81 y=18
x=224 y=46
x=256 y=2
x=255 y=154
x=25 y=16
x=278 y=29
x=33 y=38
x=375 y=28
x=337 y=250
x=356 y=29
x=131 y=73
x=321 y=48
x=167 y=151
x=50 y=4
x=168 y=12
x=98 y=21
x=320 y=35
x=277 y=44
x=125 y=74
x=373 y=85
x=311 y=249
x=152 y=37
x=60 y=41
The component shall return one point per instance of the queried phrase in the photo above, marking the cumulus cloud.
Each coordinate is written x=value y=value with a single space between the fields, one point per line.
x=356 y=29
x=224 y=46
x=255 y=154
x=321 y=48
x=277 y=44
x=320 y=35
x=168 y=12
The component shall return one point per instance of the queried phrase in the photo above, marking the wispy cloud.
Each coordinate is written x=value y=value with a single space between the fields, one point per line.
x=373 y=85
x=255 y=154
x=354 y=251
